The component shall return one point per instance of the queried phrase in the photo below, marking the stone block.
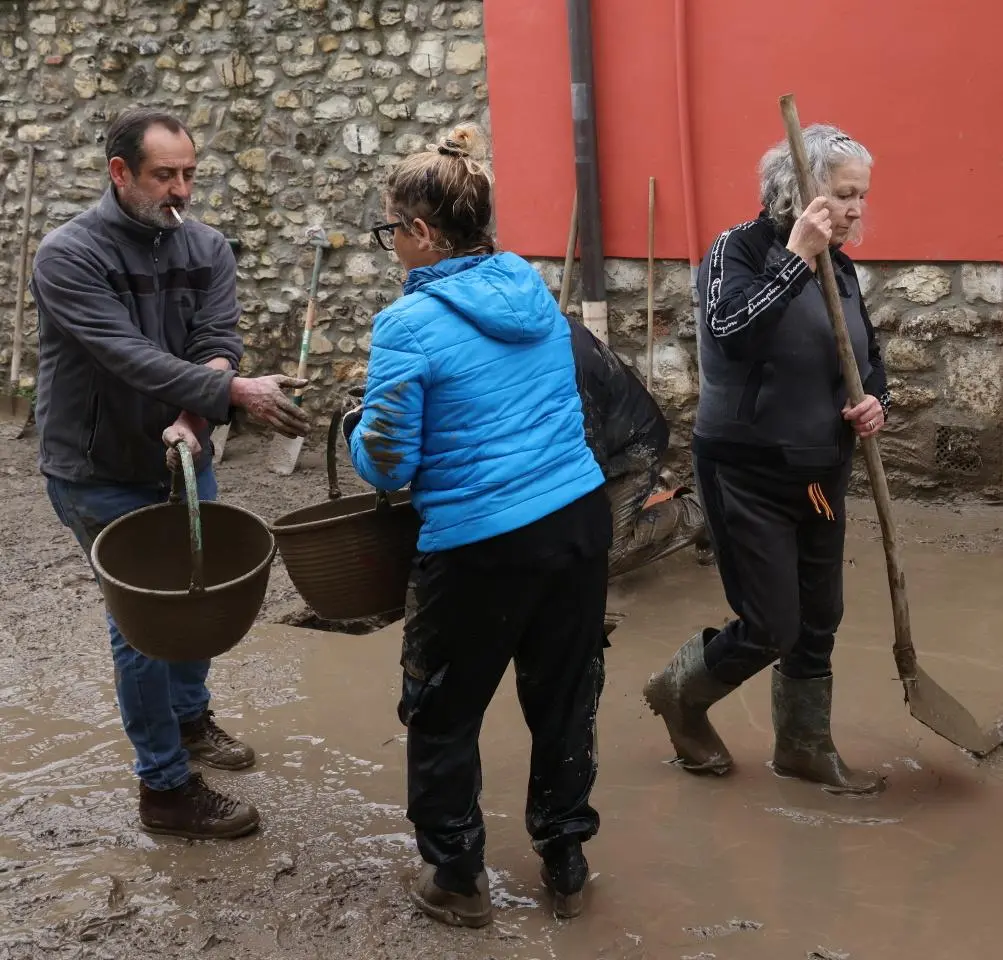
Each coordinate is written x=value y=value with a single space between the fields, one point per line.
x=429 y=57
x=34 y=133
x=974 y=378
x=235 y=71
x=397 y=44
x=674 y=376
x=361 y=268
x=465 y=56
x=254 y=160
x=345 y=69
x=906 y=355
x=300 y=68
x=932 y=324
x=626 y=275
x=336 y=108
x=432 y=111
x=982 y=281
x=361 y=138
x=924 y=283
x=44 y=25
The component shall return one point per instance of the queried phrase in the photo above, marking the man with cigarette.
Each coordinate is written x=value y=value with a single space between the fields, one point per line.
x=138 y=349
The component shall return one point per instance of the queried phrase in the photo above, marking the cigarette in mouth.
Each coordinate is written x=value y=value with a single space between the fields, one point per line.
x=177 y=216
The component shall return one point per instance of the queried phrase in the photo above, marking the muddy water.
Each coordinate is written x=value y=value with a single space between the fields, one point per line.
x=750 y=867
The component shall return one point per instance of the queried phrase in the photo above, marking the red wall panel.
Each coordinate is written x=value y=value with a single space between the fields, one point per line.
x=917 y=81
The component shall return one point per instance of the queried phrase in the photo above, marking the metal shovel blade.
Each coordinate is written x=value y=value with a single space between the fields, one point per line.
x=17 y=410
x=935 y=708
x=219 y=436
x=284 y=454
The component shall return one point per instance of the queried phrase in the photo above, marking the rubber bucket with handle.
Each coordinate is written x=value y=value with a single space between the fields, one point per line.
x=184 y=580
x=350 y=557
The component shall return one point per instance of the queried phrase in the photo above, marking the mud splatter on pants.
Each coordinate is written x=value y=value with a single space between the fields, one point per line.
x=464 y=624
x=643 y=535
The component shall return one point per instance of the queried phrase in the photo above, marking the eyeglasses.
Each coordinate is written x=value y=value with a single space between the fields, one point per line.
x=384 y=234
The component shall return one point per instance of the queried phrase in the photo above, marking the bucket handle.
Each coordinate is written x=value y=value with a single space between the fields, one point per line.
x=185 y=487
x=333 y=490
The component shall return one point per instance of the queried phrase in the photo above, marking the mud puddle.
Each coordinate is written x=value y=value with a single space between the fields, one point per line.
x=749 y=867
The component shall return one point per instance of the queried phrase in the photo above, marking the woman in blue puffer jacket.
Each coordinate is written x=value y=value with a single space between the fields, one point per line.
x=471 y=399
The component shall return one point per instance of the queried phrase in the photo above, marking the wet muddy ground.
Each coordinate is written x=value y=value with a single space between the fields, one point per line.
x=749 y=867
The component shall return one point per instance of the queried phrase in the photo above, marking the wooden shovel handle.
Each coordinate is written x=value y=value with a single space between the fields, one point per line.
x=651 y=282
x=905 y=653
x=569 y=258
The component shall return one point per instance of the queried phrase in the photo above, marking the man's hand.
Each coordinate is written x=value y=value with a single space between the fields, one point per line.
x=264 y=401
x=187 y=428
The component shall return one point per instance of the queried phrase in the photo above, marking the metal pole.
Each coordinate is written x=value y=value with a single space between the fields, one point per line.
x=583 y=114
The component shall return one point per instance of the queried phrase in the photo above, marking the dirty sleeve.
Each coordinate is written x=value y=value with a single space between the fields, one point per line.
x=74 y=296
x=386 y=445
x=214 y=327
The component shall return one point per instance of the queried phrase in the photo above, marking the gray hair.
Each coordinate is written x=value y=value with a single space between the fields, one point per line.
x=827 y=148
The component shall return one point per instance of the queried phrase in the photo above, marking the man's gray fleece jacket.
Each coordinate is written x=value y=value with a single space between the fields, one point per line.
x=128 y=316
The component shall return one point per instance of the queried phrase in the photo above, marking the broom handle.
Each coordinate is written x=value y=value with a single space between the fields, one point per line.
x=22 y=275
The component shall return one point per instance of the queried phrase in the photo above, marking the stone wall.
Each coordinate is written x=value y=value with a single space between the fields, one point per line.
x=941 y=326
x=298 y=105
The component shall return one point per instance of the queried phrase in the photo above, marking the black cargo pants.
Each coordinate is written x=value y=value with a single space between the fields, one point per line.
x=463 y=626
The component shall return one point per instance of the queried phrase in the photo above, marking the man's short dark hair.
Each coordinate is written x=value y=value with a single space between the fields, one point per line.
x=125 y=136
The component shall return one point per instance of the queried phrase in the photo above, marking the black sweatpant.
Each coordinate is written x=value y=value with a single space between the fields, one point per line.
x=778 y=537
x=463 y=625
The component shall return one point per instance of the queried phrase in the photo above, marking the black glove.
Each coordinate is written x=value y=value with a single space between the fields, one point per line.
x=349 y=422
x=351 y=411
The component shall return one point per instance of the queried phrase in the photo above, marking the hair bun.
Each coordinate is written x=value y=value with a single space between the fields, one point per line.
x=465 y=140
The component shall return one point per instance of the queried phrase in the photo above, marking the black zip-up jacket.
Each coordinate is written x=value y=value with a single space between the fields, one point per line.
x=622 y=420
x=771 y=387
x=128 y=316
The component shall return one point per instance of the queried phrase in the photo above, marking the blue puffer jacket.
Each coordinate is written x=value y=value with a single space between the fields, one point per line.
x=471 y=398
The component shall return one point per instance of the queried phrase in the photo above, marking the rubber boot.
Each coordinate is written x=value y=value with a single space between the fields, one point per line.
x=564 y=873
x=456 y=909
x=681 y=695
x=801 y=713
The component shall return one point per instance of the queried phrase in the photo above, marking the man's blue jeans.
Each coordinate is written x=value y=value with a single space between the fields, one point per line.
x=154 y=697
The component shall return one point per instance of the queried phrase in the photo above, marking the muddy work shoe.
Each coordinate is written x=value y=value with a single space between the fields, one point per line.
x=209 y=743
x=195 y=811
x=446 y=906
x=801 y=714
x=564 y=873
x=681 y=695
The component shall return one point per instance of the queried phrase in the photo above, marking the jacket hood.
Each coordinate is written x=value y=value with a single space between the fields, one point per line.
x=501 y=295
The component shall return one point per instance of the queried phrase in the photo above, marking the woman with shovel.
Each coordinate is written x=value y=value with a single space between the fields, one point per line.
x=773 y=445
x=471 y=399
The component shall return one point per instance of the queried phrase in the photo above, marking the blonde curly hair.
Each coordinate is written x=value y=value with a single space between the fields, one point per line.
x=449 y=187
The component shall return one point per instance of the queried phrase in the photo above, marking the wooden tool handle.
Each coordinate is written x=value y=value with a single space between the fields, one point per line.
x=905 y=653
x=22 y=275
x=569 y=258
x=651 y=280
